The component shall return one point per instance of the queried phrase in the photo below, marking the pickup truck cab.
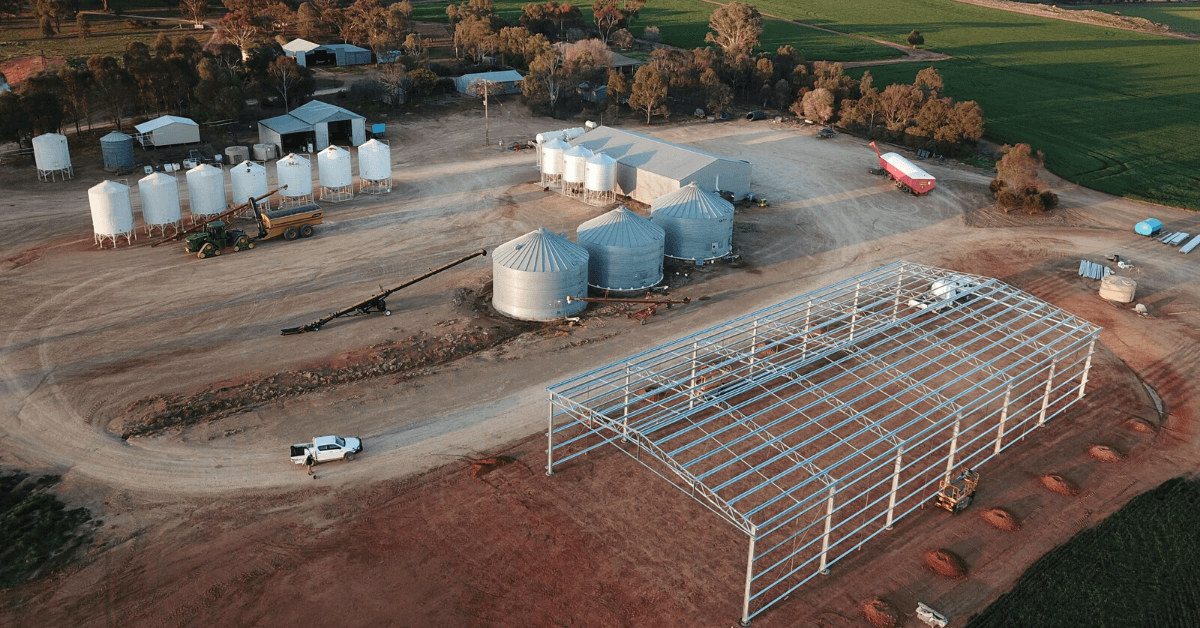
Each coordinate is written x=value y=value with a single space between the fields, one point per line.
x=326 y=448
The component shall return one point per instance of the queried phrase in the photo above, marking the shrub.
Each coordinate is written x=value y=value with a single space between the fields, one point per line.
x=1007 y=200
x=366 y=90
x=1049 y=199
x=996 y=185
x=651 y=34
x=1032 y=204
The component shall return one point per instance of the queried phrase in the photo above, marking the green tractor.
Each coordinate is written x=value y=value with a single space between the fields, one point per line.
x=216 y=237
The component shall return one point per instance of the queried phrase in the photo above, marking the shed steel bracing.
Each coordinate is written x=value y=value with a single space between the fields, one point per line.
x=813 y=425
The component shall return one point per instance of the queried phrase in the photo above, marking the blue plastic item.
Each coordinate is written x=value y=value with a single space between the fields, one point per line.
x=377 y=128
x=1148 y=227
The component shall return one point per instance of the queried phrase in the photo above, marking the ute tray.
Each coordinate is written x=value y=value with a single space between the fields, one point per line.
x=291 y=211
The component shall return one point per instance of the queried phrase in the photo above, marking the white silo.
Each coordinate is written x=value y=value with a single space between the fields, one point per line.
x=533 y=275
x=295 y=172
x=600 y=182
x=52 y=157
x=336 y=174
x=375 y=167
x=112 y=213
x=160 y=202
x=625 y=251
x=552 y=161
x=699 y=224
x=249 y=180
x=206 y=191
x=574 y=170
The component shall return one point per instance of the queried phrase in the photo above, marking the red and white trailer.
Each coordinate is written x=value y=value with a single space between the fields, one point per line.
x=908 y=176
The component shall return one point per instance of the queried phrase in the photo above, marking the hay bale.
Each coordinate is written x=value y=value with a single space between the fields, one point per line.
x=946 y=563
x=1104 y=453
x=1060 y=485
x=1141 y=426
x=880 y=614
x=1001 y=519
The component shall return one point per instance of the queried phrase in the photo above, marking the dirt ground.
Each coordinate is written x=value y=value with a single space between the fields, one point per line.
x=209 y=524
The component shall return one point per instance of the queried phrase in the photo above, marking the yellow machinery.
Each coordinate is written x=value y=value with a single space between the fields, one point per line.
x=955 y=495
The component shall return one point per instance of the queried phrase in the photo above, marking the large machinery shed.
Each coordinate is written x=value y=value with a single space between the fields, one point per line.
x=315 y=122
x=815 y=424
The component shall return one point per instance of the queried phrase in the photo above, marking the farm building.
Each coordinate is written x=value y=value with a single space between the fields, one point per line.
x=648 y=168
x=510 y=81
x=308 y=54
x=617 y=61
x=316 y=123
x=815 y=424
x=167 y=131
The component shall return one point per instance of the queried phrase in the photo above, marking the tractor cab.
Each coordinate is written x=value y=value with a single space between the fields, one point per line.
x=955 y=495
x=215 y=238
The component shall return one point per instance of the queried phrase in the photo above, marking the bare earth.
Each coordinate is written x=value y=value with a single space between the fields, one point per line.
x=210 y=524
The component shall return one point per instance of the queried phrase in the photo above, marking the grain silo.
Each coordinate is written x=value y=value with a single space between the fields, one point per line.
x=625 y=251
x=160 y=202
x=574 y=170
x=375 y=167
x=51 y=156
x=294 y=172
x=336 y=174
x=249 y=180
x=112 y=213
x=699 y=224
x=600 y=180
x=206 y=191
x=552 y=161
x=117 y=149
x=533 y=275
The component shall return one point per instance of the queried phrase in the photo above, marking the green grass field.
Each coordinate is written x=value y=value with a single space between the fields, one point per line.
x=1181 y=18
x=22 y=38
x=1139 y=567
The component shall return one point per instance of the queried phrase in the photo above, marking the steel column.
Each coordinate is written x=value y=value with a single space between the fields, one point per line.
x=753 y=346
x=896 y=303
x=953 y=445
x=1087 y=366
x=625 y=408
x=854 y=311
x=745 y=621
x=693 y=392
x=804 y=343
x=1003 y=418
x=550 y=442
x=895 y=487
x=1046 y=397
x=828 y=527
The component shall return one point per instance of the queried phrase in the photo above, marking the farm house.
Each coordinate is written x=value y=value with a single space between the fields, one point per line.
x=648 y=168
x=317 y=123
x=510 y=81
x=167 y=131
x=816 y=424
x=308 y=54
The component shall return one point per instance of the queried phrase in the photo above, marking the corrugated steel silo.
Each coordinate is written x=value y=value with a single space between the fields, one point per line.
x=206 y=190
x=117 y=149
x=112 y=212
x=699 y=224
x=160 y=202
x=533 y=275
x=625 y=251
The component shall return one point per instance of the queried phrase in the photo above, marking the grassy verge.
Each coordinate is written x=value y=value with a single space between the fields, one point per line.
x=37 y=533
x=1140 y=567
x=1181 y=18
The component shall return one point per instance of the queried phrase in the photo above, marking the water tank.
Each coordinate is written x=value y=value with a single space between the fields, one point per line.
x=206 y=190
x=264 y=152
x=374 y=161
x=112 y=212
x=625 y=251
x=249 y=181
x=117 y=149
x=699 y=224
x=50 y=152
x=601 y=173
x=575 y=164
x=533 y=275
x=160 y=199
x=295 y=172
x=1119 y=289
x=1148 y=227
x=552 y=156
x=333 y=168
x=237 y=154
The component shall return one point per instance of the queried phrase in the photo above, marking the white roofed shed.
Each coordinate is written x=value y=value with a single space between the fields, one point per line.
x=167 y=131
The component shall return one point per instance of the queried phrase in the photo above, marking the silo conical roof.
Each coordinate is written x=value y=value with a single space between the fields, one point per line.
x=115 y=136
x=621 y=228
x=540 y=251
x=692 y=203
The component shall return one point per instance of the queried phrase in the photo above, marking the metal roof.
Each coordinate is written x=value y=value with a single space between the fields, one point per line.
x=647 y=153
x=500 y=76
x=693 y=203
x=909 y=169
x=115 y=136
x=621 y=228
x=304 y=117
x=540 y=251
x=814 y=424
x=161 y=121
x=300 y=45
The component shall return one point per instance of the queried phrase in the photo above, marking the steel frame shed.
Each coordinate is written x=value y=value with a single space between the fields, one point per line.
x=814 y=424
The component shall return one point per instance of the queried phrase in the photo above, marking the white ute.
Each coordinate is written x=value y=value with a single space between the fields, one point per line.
x=326 y=448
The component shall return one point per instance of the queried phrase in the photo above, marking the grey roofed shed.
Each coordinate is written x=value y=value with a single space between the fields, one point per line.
x=313 y=117
x=648 y=168
x=625 y=250
x=533 y=275
x=510 y=81
x=699 y=224
x=308 y=53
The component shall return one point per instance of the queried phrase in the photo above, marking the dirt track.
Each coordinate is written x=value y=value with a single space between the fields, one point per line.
x=90 y=332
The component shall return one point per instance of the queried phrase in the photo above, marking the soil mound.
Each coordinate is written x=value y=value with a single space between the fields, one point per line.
x=880 y=614
x=946 y=563
x=1104 y=453
x=1060 y=485
x=484 y=466
x=1001 y=519
x=1141 y=426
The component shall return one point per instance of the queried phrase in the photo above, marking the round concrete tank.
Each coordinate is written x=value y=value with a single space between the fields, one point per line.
x=160 y=200
x=264 y=152
x=374 y=161
x=533 y=275
x=333 y=167
x=249 y=181
x=237 y=154
x=574 y=168
x=206 y=190
x=50 y=152
x=112 y=211
x=699 y=224
x=117 y=149
x=625 y=251
x=295 y=172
